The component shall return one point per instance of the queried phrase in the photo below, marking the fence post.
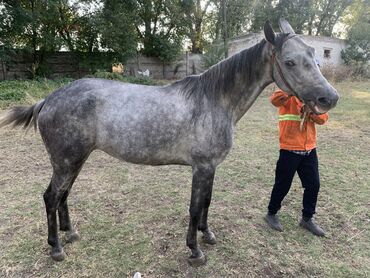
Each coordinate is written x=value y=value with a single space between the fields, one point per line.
x=163 y=69
x=138 y=62
x=186 y=62
x=4 y=70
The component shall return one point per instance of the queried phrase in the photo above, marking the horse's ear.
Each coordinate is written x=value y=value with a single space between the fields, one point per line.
x=269 y=33
x=285 y=26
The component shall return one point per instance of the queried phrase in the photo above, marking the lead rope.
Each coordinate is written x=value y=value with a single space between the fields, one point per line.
x=302 y=121
x=304 y=118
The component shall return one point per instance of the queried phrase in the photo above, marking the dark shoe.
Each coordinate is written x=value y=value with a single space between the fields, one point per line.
x=273 y=221
x=311 y=226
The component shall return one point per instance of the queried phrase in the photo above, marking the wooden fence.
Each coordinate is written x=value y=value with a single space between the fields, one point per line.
x=19 y=65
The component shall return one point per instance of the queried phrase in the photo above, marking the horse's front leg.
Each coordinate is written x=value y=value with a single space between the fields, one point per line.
x=200 y=198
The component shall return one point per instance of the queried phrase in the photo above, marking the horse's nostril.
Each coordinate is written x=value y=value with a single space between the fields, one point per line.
x=324 y=101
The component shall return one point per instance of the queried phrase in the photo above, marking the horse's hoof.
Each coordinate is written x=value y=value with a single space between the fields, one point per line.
x=58 y=256
x=72 y=237
x=209 y=238
x=199 y=261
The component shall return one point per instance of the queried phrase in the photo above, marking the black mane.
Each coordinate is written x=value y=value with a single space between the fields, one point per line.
x=219 y=79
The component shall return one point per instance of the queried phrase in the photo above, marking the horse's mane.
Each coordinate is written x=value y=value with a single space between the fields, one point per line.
x=219 y=79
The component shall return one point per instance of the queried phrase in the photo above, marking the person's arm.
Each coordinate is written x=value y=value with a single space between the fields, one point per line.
x=279 y=98
x=319 y=119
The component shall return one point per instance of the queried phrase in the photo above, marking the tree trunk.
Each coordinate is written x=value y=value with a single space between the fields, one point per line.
x=323 y=17
x=225 y=35
x=34 y=34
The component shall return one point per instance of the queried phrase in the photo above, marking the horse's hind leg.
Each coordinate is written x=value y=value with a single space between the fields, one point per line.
x=55 y=198
x=64 y=219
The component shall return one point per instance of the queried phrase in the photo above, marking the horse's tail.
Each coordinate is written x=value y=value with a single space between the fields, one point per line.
x=22 y=115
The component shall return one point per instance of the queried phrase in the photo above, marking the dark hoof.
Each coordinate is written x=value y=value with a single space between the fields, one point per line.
x=199 y=261
x=209 y=238
x=72 y=237
x=58 y=256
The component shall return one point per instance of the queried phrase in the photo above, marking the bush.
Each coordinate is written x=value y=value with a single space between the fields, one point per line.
x=213 y=55
x=11 y=95
x=119 y=77
x=27 y=91
x=345 y=72
x=106 y=75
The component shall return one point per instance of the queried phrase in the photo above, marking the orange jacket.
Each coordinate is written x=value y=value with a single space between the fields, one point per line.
x=291 y=137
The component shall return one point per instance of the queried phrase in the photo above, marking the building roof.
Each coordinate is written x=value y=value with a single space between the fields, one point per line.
x=247 y=36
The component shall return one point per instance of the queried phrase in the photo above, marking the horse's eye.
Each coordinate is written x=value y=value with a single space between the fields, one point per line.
x=290 y=63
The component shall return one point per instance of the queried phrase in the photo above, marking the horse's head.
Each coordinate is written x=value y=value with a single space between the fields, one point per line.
x=295 y=69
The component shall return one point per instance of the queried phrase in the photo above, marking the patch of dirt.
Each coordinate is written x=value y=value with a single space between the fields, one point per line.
x=134 y=218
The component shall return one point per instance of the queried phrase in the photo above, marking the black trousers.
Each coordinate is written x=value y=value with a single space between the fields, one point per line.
x=308 y=171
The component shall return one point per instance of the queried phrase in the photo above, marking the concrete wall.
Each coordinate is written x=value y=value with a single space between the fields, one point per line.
x=244 y=41
x=65 y=64
x=58 y=64
x=333 y=45
x=185 y=65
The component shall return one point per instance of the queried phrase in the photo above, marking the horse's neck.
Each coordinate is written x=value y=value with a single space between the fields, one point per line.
x=233 y=84
x=247 y=99
x=248 y=91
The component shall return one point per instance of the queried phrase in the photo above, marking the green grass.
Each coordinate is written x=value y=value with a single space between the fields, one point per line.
x=134 y=218
x=28 y=91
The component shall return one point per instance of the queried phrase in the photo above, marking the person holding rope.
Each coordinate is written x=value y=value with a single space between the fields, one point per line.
x=297 y=154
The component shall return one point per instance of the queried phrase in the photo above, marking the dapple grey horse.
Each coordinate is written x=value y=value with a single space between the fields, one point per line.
x=190 y=122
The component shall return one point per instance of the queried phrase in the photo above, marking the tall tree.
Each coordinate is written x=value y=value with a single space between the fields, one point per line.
x=239 y=15
x=118 y=27
x=195 y=15
x=298 y=12
x=67 y=23
x=329 y=12
x=262 y=10
x=29 y=24
x=358 y=20
x=157 y=25
x=316 y=17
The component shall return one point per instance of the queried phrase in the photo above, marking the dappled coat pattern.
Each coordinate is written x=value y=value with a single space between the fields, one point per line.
x=189 y=122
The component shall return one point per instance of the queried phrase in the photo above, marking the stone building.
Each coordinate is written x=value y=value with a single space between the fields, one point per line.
x=327 y=49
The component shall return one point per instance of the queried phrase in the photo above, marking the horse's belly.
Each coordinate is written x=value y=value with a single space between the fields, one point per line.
x=143 y=145
x=148 y=154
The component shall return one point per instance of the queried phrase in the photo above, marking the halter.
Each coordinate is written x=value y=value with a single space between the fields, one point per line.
x=286 y=83
x=273 y=60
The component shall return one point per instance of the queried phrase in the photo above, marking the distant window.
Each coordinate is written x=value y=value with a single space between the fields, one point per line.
x=327 y=53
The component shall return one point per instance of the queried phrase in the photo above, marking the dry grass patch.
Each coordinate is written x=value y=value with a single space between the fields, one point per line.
x=134 y=218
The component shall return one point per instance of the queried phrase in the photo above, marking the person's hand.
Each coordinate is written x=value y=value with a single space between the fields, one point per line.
x=284 y=98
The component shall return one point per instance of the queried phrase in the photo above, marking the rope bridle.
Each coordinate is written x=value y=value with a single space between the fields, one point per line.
x=275 y=61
